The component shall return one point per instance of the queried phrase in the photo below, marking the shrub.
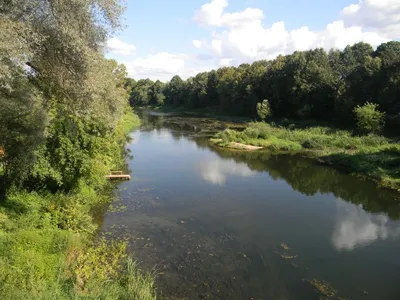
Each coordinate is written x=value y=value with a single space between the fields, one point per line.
x=285 y=122
x=263 y=109
x=227 y=135
x=251 y=132
x=369 y=119
x=305 y=111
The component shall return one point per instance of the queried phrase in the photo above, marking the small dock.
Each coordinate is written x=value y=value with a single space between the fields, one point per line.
x=117 y=175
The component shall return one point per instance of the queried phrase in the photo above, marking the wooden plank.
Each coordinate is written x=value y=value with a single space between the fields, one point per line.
x=121 y=176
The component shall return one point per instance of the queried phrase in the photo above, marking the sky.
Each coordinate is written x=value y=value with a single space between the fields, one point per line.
x=161 y=38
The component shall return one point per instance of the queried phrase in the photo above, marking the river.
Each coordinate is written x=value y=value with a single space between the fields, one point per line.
x=219 y=224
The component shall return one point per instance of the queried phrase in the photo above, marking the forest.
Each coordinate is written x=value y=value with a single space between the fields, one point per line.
x=313 y=84
x=63 y=122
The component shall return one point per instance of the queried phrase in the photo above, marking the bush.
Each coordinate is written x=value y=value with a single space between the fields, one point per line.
x=227 y=135
x=263 y=109
x=305 y=111
x=251 y=132
x=285 y=122
x=369 y=119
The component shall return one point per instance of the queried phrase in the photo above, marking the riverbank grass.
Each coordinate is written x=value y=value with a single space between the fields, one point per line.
x=130 y=121
x=370 y=156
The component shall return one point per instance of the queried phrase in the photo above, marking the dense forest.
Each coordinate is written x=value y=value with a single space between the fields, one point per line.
x=304 y=85
x=64 y=114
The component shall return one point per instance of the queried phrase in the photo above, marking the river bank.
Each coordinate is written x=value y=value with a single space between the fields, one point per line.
x=49 y=243
x=372 y=157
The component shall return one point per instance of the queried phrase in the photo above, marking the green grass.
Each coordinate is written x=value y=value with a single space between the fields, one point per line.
x=130 y=121
x=47 y=251
x=370 y=156
x=50 y=248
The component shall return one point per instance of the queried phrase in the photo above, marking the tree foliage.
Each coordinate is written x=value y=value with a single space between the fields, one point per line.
x=263 y=110
x=369 y=118
x=312 y=84
x=61 y=99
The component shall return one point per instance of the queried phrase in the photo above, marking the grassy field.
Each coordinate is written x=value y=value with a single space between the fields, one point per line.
x=50 y=248
x=370 y=156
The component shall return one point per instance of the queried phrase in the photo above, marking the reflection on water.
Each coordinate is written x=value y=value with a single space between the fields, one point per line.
x=213 y=222
x=310 y=179
x=355 y=227
x=216 y=171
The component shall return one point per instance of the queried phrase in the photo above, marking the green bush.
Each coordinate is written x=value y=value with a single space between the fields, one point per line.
x=251 y=132
x=263 y=109
x=369 y=119
x=285 y=122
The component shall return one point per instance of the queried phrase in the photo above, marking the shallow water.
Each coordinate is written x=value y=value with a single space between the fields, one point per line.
x=219 y=224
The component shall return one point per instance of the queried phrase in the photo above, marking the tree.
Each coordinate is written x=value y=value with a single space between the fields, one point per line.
x=369 y=119
x=143 y=93
x=60 y=98
x=263 y=110
x=174 y=91
x=156 y=93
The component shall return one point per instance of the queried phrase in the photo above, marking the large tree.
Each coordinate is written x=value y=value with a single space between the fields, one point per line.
x=55 y=84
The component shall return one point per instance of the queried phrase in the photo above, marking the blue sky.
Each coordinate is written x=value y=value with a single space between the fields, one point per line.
x=164 y=38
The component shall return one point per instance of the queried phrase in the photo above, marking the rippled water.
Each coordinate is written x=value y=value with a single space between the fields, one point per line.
x=220 y=224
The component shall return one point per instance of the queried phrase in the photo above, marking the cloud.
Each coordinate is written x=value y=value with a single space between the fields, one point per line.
x=212 y=14
x=116 y=46
x=242 y=37
x=356 y=228
x=381 y=16
x=161 y=66
x=216 y=171
x=196 y=43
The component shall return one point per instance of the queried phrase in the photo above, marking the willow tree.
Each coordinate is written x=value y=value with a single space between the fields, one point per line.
x=52 y=68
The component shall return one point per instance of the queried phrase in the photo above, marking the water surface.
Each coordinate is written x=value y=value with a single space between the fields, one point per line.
x=220 y=224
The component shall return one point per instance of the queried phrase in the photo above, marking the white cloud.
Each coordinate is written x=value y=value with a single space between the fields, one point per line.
x=116 y=46
x=225 y=62
x=163 y=66
x=242 y=37
x=196 y=43
x=210 y=13
x=216 y=171
x=381 y=16
x=160 y=66
x=356 y=228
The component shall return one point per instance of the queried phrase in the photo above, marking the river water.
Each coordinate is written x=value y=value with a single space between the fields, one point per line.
x=219 y=224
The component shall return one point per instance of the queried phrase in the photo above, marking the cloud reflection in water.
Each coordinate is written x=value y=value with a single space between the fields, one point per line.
x=356 y=228
x=216 y=170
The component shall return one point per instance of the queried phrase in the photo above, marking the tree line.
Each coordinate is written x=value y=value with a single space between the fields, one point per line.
x=60 y=99
x=312 y=84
